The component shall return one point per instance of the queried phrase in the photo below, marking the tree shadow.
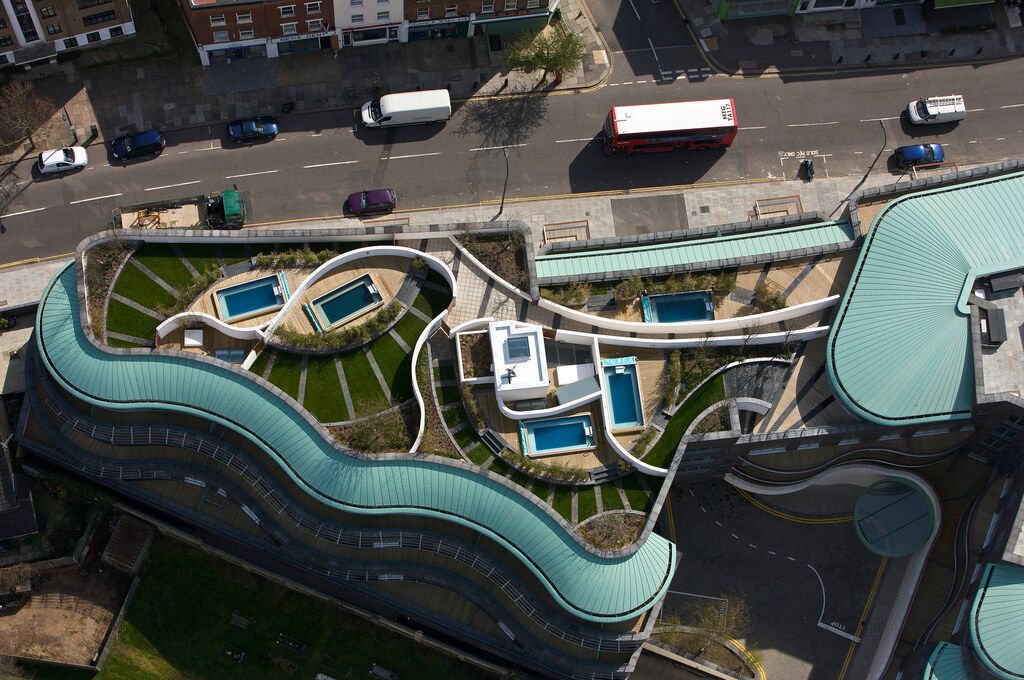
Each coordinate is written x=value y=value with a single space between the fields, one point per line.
x=503 y=121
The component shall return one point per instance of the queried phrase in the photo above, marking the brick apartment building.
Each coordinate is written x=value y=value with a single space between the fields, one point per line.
x=238 y=29
x=36 y=30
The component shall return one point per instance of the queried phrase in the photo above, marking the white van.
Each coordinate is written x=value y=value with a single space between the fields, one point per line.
x=408 y=108
x=937 y=109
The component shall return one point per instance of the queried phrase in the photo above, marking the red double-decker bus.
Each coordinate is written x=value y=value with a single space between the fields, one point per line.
x=648 y=128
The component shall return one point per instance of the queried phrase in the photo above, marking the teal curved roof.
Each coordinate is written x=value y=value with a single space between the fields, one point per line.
x=614 y=263
x=997 y=621
x=893 y=517
x=945 y=663
x=593 y=588
x=900 y=348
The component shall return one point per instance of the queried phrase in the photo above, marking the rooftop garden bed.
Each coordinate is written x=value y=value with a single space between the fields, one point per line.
x=504 y=253
x=614 y=530
x=475 y=349
x=720 y=283
x=392 y=430
x=660 y=454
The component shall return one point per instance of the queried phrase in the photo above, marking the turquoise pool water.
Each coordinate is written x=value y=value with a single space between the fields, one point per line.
x=556 y=435
x=341 y=304
x=675 y=307
x=250 y=298
x=623 y=392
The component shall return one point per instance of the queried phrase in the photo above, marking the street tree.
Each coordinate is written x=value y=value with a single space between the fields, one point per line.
x=25 y=111
x=718 y=619
x=557 y=50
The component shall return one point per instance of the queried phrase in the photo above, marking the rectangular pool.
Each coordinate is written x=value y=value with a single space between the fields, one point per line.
x=675 y=307
x=346 y=302
x=251 y=298
x=556 y=435
x=623 y=393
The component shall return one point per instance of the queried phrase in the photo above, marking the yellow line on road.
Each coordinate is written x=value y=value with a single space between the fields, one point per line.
x=671 y=518
x=750 y=658
x=793 y=518
x=35 y=260
x=863 y=616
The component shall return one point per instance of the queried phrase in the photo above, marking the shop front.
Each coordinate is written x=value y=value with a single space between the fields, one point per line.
x=307 y=42
x=371 y=35
x=223 y=53
x=519 y=23
x=439 y=29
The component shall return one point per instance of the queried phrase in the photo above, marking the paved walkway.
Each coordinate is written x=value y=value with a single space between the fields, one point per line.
x=854 y=39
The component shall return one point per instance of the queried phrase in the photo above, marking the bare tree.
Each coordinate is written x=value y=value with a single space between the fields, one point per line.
x=25 y=111
x=558 y=50
x=13 y=576
x=9 y=668
x=715 y=619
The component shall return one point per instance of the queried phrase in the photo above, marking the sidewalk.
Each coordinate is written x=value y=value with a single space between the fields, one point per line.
x=844 y=40
x=172 y=94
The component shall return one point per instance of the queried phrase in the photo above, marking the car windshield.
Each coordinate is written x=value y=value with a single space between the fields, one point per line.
x=127 y=141
x=364 y=199
x=922 y=108
x=375 y=112
x=929 y=153
x=249 y=127
x=68 y=156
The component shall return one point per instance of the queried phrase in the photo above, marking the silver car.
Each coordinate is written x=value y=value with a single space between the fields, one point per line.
x=69 y=158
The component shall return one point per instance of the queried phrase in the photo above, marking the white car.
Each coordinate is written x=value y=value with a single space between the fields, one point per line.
x=69 y=158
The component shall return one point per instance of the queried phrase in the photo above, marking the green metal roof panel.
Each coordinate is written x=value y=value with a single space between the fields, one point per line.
x=900 y=350
x=626 y=261
x=945 y=663
x=591 y=587
x=997 y=621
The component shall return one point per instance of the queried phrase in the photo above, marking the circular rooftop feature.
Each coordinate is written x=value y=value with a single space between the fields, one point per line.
x=893 y=518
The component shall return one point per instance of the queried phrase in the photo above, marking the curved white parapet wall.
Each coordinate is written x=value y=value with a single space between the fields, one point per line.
x=578 y=338
x=865 y=475
x=731 y=324
x=545 y=412
x=173 y=323
x=494 y=277
x=422 y=340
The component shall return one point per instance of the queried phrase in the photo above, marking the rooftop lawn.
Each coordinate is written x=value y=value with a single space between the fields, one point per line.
x=260 y=364
x=610 y=499
x=324 y=398
x=586 y=503
x=134 y=285
x=409 y=328
x=161 y=259
x=479 y=454
x=201 y=256
x=432 y=302
x=395 y=366
x=124 y=319
x=286 y=372
x=635 y=493
x=562 y=503
x=660 y=455
x=362 y=383
x=232 y=253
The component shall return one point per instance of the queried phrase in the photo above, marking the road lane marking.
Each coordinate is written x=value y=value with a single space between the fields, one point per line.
x=752 y=545
x=875 y=120
x=634 y=10
x=973 y=110
x=171 y=186
x=718 y=523
x=831 y=122
x=412 y=155
x=23 y=212
x=1012 y=106
x=182 y=152
x=208 y=148
x=702 y=509
x=614 y=84
x=569 y=141
x=1000 y=139
x=973 y=141
x=641 y=82
x=627 y=82
x=857 y=153
x=791 y=559
x=822 y=584
x=495 y=148
x=754 y=127
x=324 y=165
x=735 y=536
x=251 y=174
x=772 y=552
x=94 y=198
x=706 y=597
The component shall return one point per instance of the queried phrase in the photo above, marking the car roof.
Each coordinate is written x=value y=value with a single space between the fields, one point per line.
x=377 y=195
x=52 y=156
x=146 y=137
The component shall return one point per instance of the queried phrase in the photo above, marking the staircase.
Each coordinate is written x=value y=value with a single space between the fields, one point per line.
x=493 y=441
x=605 y=474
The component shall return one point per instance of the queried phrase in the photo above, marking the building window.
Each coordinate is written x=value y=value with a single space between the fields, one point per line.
x=422 y=13
x=220 y=36
x=289 y=29
x=383 y=16
x=451 y=10
x=3 y=22
x=355 y=3
x=487 y=8
x=3 y=59
x=510 y=5
x=287 y=11
x=313 y=25
x=243 y=17
x=53 y=29
x=86 y=4
x=217 y=20
x=100 y=18
x=116 y=32
x=312 y=8
x=357 y=18
x=532 y=4
x=70 y=42
x=47 y=12
x=5 y=40
x=383 y=2
x=93 y=37
x=247 y=34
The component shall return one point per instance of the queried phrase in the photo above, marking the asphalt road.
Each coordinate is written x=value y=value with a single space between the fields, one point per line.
x=849 y=123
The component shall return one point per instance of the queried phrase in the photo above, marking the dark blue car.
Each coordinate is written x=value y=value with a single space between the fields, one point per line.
x=253 y=129
x=145 y=143
x=918 y=154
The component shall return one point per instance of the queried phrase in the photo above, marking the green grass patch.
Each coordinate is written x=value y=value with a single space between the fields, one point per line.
x=232 y=253
x=114 y=342
x=161 y=259
x=586 y=503
x=479 y=454
x=635 y=494
x=520 y=478
x=409 y=328
x=179 y=622
x=454 y=416
x=124 y=319
x=436 y=279
x=363 y=386
x=432 y=302
x=286 y=372
x=201 y=256
x=661 y=453
x=395 y=365
x=465 y=437
x=448 y=394
x=540 y=489
x=323 y=397
x=610 y=499
x=135 y=285
x=500 y=467
x=445 y=372
x=260 y=364
x=562 y=502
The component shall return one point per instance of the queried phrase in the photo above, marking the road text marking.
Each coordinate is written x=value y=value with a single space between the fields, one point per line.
x=171 y=186
x=94 y=198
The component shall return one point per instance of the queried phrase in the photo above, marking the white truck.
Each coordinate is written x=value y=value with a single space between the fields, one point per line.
x=407 y=108
x=931 y=110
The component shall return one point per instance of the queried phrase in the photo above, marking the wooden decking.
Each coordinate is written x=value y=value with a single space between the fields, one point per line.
x=206 y=303
x=651 y=373
x=212 y=341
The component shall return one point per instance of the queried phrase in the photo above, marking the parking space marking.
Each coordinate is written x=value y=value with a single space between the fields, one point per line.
x=703 y=509
x=569 y=141
x=1011 y=106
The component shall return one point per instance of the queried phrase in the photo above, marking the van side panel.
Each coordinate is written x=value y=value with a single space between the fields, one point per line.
x=410 y=108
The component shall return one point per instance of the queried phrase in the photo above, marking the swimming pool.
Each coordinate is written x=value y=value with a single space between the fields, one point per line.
x=674 y=307
x=252 y=298
x=623 y=392
x=556 y=435
x=345 y=302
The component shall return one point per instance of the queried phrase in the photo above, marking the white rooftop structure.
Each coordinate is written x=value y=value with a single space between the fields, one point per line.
x=646 y=118
x=520 y=367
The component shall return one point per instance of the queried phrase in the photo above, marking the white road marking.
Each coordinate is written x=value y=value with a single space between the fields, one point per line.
x=94 y=198
x=412 y=155
x=627 y=82
x=822 y=584
x=771 y=552
x=857 y=153
x=752 y=545
x=706 y=597
x=634 y=10
x=875 y=120
x=973 y=141
x=614 y=84
x=840 y=633
x=641 y=82
x=735 y=536
x=209 y=148
x=1000 y=139
x=718 y=523
x=831 y=122
x=1012 y=106
x=317 y=134
x=23 y=212
x=182 y=152
x=251 y=174
x=691 y=493
x=791 y=559
x=495 y=148
x=973 y=110
x=171 y=186
x=324 y=165
x=703 y=510
x=754 y=127
x=568 y=141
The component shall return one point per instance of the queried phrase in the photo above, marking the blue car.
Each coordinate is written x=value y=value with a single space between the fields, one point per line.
x=918 y=154
x=145 y=143
x=253 y=129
